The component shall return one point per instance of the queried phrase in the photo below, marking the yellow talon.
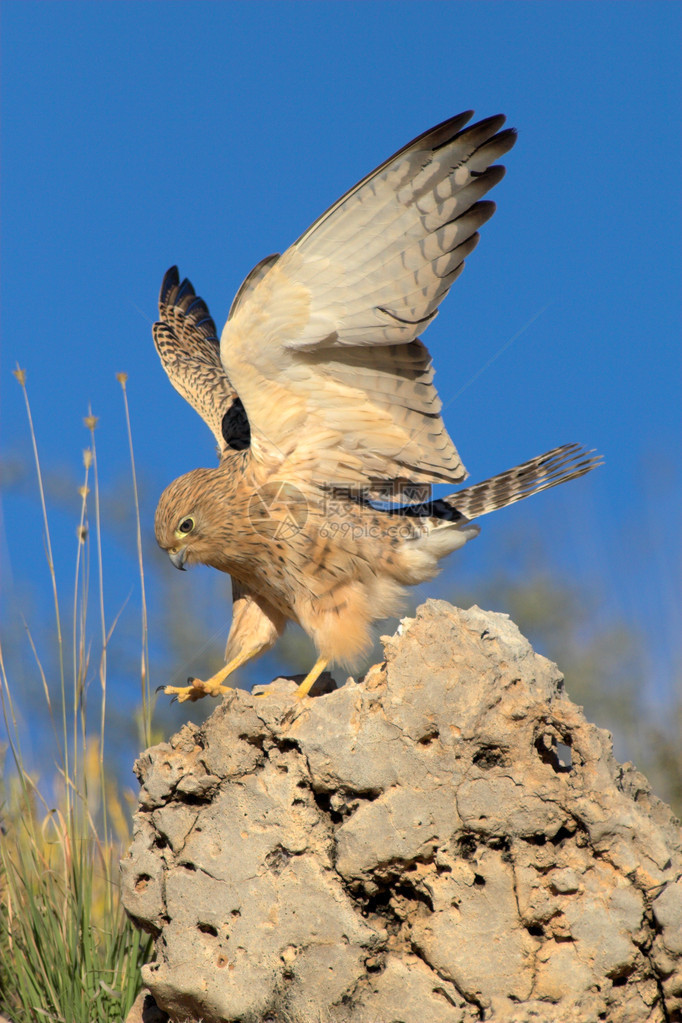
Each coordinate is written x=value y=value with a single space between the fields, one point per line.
x=196 y=690
x=213 y=686
x=311 y=678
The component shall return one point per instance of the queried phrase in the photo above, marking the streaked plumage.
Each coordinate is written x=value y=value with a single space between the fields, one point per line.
x=321 y=398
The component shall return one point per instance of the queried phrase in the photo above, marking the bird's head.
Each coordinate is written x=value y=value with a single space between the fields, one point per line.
x=183 y=522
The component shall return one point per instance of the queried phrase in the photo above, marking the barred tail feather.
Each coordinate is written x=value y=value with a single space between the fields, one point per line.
x=560 y=465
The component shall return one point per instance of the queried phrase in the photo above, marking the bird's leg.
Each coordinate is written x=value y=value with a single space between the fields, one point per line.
x=213 y=686
x=311 y=678
x=256 y=625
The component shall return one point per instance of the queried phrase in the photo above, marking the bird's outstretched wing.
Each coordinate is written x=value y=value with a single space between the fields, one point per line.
x=323 y=347
x=186 y=340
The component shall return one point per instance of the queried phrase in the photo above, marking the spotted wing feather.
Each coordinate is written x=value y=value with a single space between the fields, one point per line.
x=186 y=340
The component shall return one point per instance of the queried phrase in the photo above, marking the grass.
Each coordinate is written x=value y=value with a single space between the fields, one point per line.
x=68 y=953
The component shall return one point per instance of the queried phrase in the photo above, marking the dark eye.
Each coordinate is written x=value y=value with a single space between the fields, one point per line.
x=187 y=525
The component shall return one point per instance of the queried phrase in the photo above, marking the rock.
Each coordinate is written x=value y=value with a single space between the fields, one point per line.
x=448 y=841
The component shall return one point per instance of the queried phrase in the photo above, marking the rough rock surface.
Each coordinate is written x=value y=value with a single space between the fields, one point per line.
x=448 y=841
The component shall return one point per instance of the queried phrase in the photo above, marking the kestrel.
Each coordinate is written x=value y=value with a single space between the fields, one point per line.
x=321 y=398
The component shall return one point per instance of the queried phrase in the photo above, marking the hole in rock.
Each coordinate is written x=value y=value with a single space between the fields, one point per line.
x=195 y=798
x=562 y=834
x=278 y=859
x=142 y=882
x=556 y=754
x=324 y=802
x=565 y=755
x=208 y=929
x=491 y=756
x=620 y=977
x=253 y=740
x=377 y=903
x=539 y=839
x=466 y=846
x=285 y=745
x=412 y=893
x=375 y=964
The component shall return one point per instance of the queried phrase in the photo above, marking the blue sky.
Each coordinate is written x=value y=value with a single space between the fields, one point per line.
x=136 y=135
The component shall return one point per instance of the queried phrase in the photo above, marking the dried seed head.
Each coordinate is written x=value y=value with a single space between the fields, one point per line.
x=91 y=422
x=20 y=374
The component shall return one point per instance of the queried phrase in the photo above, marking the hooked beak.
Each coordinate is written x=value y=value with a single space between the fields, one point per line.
x=178 y=558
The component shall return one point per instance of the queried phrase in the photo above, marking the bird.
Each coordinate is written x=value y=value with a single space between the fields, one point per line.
x=321 y=399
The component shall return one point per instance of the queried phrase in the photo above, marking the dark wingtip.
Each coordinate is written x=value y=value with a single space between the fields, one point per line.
x=509 y=136
x=170 y=280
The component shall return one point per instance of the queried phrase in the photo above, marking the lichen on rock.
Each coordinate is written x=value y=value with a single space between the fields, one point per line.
x=448 y=841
